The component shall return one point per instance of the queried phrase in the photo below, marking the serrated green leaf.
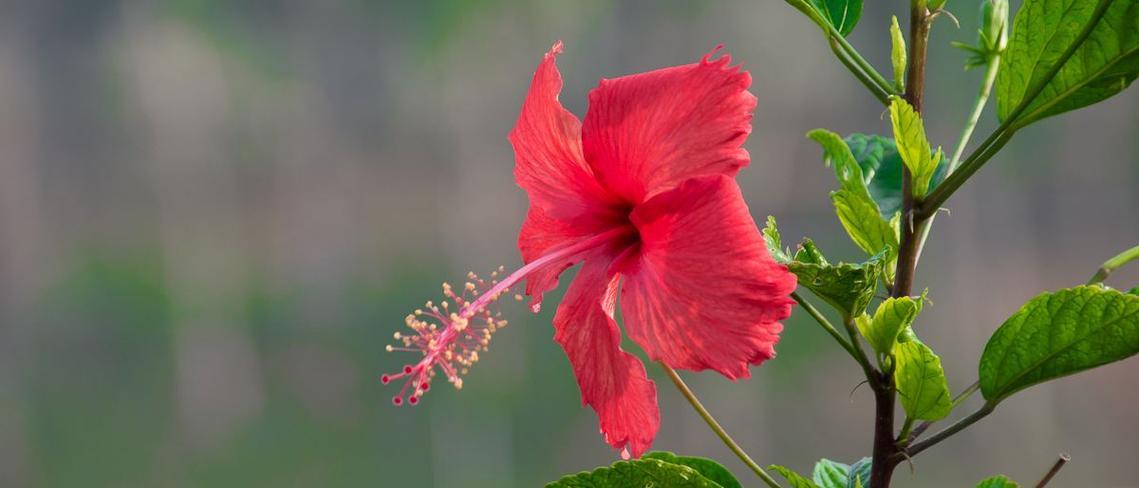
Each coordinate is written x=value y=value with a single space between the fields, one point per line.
x=859 y=474
x=1057 y=334
x=920 y=381
x=808 y=253
x=774 y=242
x=856 y=209
x=842 y=15
x=636 y=474
x=1102 y=63
x=797 y=480
x=846 y=286
x=913 y=146
x=997 y=482
x=890 y=319
x=882 y=170
x=706 y=467
x=898 y=54
x=830 y=474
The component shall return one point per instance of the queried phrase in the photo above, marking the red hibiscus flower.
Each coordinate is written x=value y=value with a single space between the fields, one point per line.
x=643 y=194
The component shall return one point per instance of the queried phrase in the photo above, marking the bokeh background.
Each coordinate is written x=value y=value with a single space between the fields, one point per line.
x=214 y=215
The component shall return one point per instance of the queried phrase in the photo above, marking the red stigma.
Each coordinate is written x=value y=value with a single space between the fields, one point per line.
x=397 y=401
x=424 y=386
x=385 y=379
x=407 y=369
x=413 y=400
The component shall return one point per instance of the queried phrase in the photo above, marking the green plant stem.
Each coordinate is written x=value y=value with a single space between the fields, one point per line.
x=989 y=148
x=860 y=353
x=924 y=426
x=822 y=320
x=1011 y=124
x=991 y=68
x=715 y=426
x=1113 y=264
x=958 y=426
x=866 y=67
x=907 y=427
x=882 y=95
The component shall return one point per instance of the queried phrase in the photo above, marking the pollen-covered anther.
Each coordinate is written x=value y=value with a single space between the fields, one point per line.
x=449 y=334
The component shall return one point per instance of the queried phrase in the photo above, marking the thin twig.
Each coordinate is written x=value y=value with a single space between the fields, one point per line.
x=1113 y=264
x=1064 y=458
x=715 y=426
x=924 y=426
x=958 y=426
x=826 y=324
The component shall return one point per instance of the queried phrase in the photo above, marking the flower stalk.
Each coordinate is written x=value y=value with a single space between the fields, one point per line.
x=715 y=426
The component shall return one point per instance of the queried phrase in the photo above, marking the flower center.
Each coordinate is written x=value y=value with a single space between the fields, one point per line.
x=450 y=340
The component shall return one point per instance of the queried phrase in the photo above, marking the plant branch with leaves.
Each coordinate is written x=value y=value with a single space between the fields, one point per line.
x=643 y=194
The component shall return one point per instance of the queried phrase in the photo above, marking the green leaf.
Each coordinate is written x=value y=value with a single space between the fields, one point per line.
x=909 y=134
x=831 y=474
x=856 y=209
x=797 y=480
x=997 y=482
x=920 y=380
x=882 y=170
x=890 y=318
x=846 y=286
x=1057 y=334
x=898 y=54
x=706 y=467
x=859 y=474
x=637 y=474
x=842 y=15
x=1134 y=291
x=774 y=242
x=1103 y=45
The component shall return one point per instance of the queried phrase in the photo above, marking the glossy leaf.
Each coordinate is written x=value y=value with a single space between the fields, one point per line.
x=882 y=170
x=706 y=467
x=637 y=474
x=997 y=482
x=920 y=380
x=795 y=479
x=1100 y=45
x=774 y=242
x=1057 y=334
x=831 y=474
x=842 y=15
x=846 y=286
x=898 y=54
x=856 y=209
x=913 y=146
x=890 y=318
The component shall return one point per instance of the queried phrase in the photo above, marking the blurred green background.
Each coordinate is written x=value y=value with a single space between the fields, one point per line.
x=214 y=214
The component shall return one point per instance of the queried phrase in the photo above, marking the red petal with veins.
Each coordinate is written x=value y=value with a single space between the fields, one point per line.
x=645 y=133
x=703 y=292
x=547 y=153
x=612 y=381
x=541 y=234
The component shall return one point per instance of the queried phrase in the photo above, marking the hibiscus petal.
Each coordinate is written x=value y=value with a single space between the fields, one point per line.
x=703 y=292
x=539 y=235
x=547 y=151
x=612 y=381
x=647 y=132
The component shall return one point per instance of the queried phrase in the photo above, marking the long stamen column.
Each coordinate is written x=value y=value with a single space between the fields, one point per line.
x=451 y=334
